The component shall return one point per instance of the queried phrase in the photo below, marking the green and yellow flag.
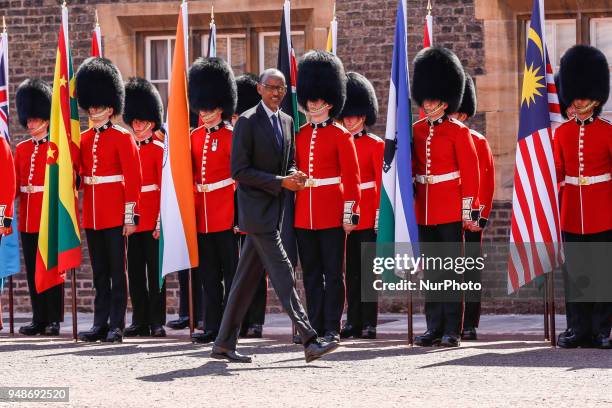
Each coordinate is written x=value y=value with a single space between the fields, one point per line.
x=59 y=240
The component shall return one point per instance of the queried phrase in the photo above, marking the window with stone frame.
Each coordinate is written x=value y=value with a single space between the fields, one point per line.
x=159 y=50
x=268 y=47
x=232 y=48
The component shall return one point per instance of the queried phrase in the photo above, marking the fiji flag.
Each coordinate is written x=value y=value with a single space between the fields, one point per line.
x=535 y=231
x=397 y=222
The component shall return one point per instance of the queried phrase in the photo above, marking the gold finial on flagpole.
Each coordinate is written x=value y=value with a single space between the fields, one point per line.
x=334 y=18
x=3 y=24
x=96 y=15
x=212 y=14
x=64 y=3
x=429 y=7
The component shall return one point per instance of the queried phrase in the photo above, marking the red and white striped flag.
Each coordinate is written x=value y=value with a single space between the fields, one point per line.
x=535 y=234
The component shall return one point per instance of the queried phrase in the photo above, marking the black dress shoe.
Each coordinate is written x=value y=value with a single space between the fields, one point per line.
x=349 y=331
x=318 y=348
x=368 y=332
x=450 y=340
x=332 y=336
x=469 y=333
x=135 y=330
x=297 y=338
x=179 y=324
x=601 y=341
x=157 y=330
x=32 y=329
x=94 y=334
x=428 y=339
x=205 y=337
x=52 y=329
x=570 y=339
x=232 y=356
x=114 y=336
x=255 y=331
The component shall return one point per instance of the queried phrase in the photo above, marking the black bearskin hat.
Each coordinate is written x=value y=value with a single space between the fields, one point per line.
x=33 y=100
x=438 y=74
x=247 y=92
x=584 y=74
x=143 y=102
x=99 y=84
x=562 y=104
x=468 y=103
x=211 y=86
x=321 y=76
x=360 y=99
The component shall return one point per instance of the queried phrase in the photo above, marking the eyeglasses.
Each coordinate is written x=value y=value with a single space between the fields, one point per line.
x=272 y=88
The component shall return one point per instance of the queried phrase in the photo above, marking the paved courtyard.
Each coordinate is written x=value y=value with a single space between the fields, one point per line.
x=510 y=365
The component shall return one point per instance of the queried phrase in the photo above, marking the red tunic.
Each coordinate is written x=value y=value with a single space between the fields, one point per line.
x=210 y=152
x=151 y=153
x=7 y=175
x=30 y=169
x=583 y=151
x=322 y=153
x=370 y=153
x=441 y=148
x=113 y=153
x=486 y=170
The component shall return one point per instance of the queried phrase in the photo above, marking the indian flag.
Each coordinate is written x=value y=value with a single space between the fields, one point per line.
x=59 y=240
x=178 y=238
x=397 y=222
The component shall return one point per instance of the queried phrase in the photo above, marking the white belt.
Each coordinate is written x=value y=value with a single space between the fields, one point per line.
x=437 y=179
x=148 y=188
x=32 y=189
x=93 y=180
x=586 y=180
x=367 y=185
x=206 y=188
x=314 y=182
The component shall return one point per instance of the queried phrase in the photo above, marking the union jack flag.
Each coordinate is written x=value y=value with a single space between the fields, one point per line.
x=4 y=107
x=535 y=234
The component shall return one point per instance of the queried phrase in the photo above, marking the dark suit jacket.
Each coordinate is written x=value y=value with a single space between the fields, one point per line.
x=258 y=166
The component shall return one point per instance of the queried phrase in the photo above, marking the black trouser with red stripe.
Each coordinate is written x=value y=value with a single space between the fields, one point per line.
x=472 y=249
x=218 y=253
x=587 y=318
x=442 y=309
x=46 y=306
x=321 y=256
x=107 y=255
x=360 y=313
x=148 y=301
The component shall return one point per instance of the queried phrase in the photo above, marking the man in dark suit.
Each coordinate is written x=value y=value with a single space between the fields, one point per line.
x=262 y=162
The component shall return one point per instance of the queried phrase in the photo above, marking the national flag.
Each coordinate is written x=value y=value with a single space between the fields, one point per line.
x=397 y=221
x=178 y=248
x=59 y=240
x=332 y=36
x=535 y=233
x=287 y=65
x=553 y=97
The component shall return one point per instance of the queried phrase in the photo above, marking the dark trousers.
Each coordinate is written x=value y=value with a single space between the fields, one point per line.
x=442 y=312
x=586 y=318
x=359 y=313
x=218 y=253
x=321 y=256
x=107 y=255
x=148 y=301
x=196 y=292
x=46 y=306
x=268 y=248
x=257 y=310
x=472 y=249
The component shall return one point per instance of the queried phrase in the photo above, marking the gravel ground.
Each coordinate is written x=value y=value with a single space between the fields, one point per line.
x=498 y=370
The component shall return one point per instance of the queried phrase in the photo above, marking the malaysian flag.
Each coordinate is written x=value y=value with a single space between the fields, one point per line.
x=535 y=232
x=4 y=107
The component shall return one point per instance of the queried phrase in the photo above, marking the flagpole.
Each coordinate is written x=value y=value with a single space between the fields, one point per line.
x=551 y=310
x=74 y=304
x=410 y=314
x=11 y=307
x=546 y=310
x=191 y=314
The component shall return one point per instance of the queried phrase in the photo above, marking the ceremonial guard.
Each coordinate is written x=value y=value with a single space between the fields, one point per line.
x=143 y=113
x=33 y=100
x=583 y=160
x=112 y=179
x=360 y=111
x=252 y=327
x=445 y=169
x=328 y=208
x=212 y=93
x=473 y=239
